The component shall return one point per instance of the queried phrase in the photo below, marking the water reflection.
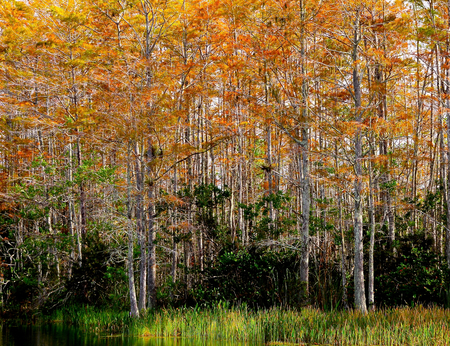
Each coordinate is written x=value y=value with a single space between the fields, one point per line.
x=60 y=335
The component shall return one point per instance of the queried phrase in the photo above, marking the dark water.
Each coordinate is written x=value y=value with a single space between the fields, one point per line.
x=60 y=335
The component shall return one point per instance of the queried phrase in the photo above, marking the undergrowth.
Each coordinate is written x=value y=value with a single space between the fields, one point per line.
x=397 y=326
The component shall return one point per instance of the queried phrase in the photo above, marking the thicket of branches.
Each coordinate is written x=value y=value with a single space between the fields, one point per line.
x=268 y=152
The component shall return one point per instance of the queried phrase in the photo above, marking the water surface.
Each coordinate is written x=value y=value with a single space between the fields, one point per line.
x=60 y=335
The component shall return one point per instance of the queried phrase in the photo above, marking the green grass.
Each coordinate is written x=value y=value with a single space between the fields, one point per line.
x=399 y=326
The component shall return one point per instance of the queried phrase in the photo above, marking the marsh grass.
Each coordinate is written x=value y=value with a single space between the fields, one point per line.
x=398 y=326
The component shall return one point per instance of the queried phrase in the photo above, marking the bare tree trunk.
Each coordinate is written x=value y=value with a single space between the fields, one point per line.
x=372 y=242
x=341 y=232
x=385 y=175
x=200 y=248
x=72 y=215
x=173 y=269
x=151 y=232
x=139 y=172
x=360 y=296
x=447 y=104
x=134 y=310
x=240 y=221
x=268 y=168
x=187 y=263
x=231 y=220
x=306 y=202
x=304 y=171
x=447 y=231
x=82 y=194
x=343 y=256
x=442 y=163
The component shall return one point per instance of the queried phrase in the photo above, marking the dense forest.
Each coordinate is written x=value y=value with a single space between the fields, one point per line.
x=184 y=152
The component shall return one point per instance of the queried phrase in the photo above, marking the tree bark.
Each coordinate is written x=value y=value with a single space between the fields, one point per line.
x=139 y=174
x=360 y=296
x=341 y=232
x=304 y=171
x=370 y=288
x=151 y=231
x=72 y=215
x=134 y=310
x=82 y=193
x=447 y=104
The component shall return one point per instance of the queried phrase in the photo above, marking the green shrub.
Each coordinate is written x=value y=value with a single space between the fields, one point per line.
x=411 y=274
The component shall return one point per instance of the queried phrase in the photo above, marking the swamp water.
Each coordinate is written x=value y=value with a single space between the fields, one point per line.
x=60 y=335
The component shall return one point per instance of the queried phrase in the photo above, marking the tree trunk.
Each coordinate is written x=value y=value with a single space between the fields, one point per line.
x=304 y=171
x=134 y=310
x=341 y=232
x=305 y=190
x=372 y=242
x=360 y=296
x=343 y=256
x=140 y=228
x=72 y=215
x=151 y=232
x=82 y=194
x=447 y=104
x=173 y=269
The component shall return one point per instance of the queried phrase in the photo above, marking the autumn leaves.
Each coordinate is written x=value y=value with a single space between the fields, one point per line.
x=340 y=104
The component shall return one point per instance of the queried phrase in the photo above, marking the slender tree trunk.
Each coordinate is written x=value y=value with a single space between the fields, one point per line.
x=343 y=255
x=447 y=231
x=385 y=189
x=341 y=232
x=231 y=220
x=173 y=269
x=442 y=163
x=140 y=228
x=174 y=260
x=74 y=229
x=447 y=104
x=370 y=293
x=151 y=232
x=305 y=190
x=439 y=148
x=240 y=221
x=304 y=171
x=200 y=248
x=268 y=168
x=82 y=193
x=360 y=296
x=134 y=310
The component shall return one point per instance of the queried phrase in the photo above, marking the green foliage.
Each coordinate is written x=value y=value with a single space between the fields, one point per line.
x=389 y=186
x=171 y=293
x=431 y=200
x=259 y=147
x=28 y=260
x=97 y=282
x=209 y=195
x=411 y=274
x=325 y=283
x=318 y=225
x=88 y=171
x=259 y=278
x=230 y=324
x=260 y=223
x=207 y=199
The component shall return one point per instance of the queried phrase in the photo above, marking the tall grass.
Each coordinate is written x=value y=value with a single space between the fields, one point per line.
x=399 y=326
x=93 y=320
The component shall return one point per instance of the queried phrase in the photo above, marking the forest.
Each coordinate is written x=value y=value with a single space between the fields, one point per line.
x=258 y=153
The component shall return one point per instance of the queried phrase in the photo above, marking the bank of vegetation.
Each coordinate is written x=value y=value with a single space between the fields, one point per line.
x=399 y=326
x=273 y=154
